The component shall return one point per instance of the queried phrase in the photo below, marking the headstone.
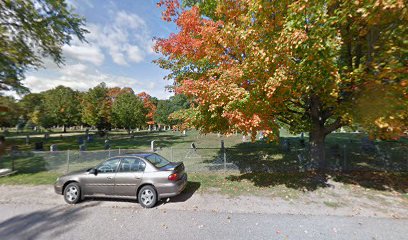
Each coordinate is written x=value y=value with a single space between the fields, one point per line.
x=14 y=148
x=152 y=145
x=261 y=136
x=38 y=146
x=368 y=145
x=184 y=133
x=342 y=130
x=243 y=138
x=286 y=145
x=219 y=135
x=89 y=138
x=53 y=148
x=137 y=129
x=302 y=140
x=82 y=147
x=107 y=144
x=27 y=140
x=150 y=128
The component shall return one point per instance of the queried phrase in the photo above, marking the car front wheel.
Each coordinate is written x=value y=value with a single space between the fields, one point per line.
x=72 y=193
x=147 y=196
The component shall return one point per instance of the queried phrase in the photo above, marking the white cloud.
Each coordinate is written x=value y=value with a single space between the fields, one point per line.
x=81 y=77
x=84 y=52
x=135 y=54
x=126 y=39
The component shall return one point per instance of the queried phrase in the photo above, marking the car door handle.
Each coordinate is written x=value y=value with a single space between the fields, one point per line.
x=137 y=178
x=109 y=178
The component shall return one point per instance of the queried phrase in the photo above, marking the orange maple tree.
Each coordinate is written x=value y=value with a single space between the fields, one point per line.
x=149 y=105
x=312 y=66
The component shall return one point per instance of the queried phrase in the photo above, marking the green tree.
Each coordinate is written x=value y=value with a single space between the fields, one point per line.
x=61 y=107
x=97 y=107
x=165 y=108
x=128 y=111
x=9 y=111
x=30 y=103
x=312 y=66
x=31 y=30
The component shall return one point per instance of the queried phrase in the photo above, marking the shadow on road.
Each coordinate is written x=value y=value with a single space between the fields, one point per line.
x=34 y=225
x=191 y=188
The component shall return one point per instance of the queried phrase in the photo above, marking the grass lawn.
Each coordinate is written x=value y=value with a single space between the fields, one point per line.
x=251 y=159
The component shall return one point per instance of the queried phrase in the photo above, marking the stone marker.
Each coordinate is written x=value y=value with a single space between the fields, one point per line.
x=38 y=146
x=107 y=145
x=53 y=148
x=82 y=147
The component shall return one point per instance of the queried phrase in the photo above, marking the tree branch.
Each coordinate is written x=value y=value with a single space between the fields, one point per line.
x=331 y=127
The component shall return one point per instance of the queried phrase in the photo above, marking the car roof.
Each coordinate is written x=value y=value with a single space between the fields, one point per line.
x=142 y=154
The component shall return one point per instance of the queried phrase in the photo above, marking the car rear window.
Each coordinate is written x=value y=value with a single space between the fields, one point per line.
x=157 y=160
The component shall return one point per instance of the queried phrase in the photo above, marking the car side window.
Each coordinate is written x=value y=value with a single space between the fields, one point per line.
x=132 y=165
x=109 y=166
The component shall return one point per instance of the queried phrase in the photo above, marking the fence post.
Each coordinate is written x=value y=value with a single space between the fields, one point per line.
x=171 y=154
x=344 y=157
x=12 y=164
x=224 y=155
x=67 y=161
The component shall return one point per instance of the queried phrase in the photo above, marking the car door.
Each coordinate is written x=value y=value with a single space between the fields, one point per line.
x=103 y=183
x=129 y=176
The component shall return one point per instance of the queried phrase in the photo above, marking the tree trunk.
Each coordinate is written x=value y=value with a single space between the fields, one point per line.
x=64 y=128
x=128 y=130
x=319 y=130
x=317 y=147
x=317 y=133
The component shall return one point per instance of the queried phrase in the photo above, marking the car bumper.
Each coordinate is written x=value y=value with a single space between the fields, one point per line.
x=58 y=188
x=172 y=189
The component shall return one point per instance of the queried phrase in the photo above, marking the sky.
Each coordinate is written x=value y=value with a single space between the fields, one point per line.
x=119 y=50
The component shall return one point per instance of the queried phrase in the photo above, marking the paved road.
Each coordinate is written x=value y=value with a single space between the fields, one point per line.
x=37 y=213
x=98 y=220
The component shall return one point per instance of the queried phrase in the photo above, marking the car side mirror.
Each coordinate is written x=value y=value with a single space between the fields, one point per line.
x=94 y=171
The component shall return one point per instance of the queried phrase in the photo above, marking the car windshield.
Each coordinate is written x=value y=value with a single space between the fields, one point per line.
x=157 y=160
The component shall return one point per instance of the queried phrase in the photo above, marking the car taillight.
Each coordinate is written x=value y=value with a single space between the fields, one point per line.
x=173 y=177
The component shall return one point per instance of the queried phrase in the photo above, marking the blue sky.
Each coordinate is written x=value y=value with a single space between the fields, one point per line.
x=119 y=49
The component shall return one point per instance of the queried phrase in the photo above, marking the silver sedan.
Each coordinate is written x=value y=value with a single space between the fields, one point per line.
x=147 y=177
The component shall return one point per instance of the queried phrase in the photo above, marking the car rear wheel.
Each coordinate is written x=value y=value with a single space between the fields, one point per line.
x=147 y=196
x=72 y=193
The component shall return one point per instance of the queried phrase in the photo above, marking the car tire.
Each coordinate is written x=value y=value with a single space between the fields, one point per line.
x=72 y=193
x=147 y=196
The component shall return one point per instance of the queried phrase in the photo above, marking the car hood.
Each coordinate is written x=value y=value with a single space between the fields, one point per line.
x=75 y=173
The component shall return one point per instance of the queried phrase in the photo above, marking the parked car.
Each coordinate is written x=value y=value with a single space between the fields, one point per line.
x=147 y=177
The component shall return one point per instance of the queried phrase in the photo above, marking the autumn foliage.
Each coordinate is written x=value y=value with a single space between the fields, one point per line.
x=312 y=66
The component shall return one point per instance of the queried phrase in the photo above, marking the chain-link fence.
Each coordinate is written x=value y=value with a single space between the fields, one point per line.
x=286 y=157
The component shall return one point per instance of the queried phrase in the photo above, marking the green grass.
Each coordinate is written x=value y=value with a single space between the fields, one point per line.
x=39 y=178
x=254 y=157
